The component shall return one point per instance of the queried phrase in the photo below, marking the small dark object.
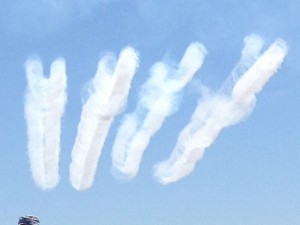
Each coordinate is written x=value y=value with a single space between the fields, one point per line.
x=28 y=220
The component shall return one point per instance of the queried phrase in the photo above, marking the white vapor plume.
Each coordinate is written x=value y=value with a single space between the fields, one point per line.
x=44 y=106
x=158 y=99
x=108 y=95
x=214 y=113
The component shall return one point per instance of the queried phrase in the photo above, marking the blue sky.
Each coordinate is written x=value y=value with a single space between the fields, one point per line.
x=250 y=174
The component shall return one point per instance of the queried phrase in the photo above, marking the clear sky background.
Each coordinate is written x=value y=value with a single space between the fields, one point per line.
x=249 y=176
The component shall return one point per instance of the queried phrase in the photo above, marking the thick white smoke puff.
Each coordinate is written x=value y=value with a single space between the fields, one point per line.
x=108 y=94
x=44 y=107
x=215 y=113
x=157 y=101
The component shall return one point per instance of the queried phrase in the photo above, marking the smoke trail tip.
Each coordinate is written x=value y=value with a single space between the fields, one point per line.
x=281 y=44
x=253 y=38
x=47 y=186
x=159 y=173
x=33 y=66
x=197 y=47
x=120 y=175
x=129 y=51
x=58 y=70
x=194 y=55
x=33 y=58
x=130 y=55
x=253 y=44
x=76 y=184
x=59 y=62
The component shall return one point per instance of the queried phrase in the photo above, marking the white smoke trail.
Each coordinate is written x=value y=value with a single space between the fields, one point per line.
x=215 y=113
x=108 y=94
x=157 y=101
x=44 y=106
x=250 y=52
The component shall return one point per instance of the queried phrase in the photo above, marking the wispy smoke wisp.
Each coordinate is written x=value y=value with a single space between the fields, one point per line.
x=45 y=101
x=214 y=113
x=108 y=94
x=158 y=99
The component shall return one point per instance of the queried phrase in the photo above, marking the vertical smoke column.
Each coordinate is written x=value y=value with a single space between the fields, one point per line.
x=108 y=94
x=45 y=101
x=158 y=99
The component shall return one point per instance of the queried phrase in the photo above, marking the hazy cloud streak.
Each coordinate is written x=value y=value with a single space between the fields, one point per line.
x=108 y=94
x=45 y=101
x=214 y=113
x=158 y=99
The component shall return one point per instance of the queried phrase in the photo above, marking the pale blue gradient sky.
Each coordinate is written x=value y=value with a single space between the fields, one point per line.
x=249 y=176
